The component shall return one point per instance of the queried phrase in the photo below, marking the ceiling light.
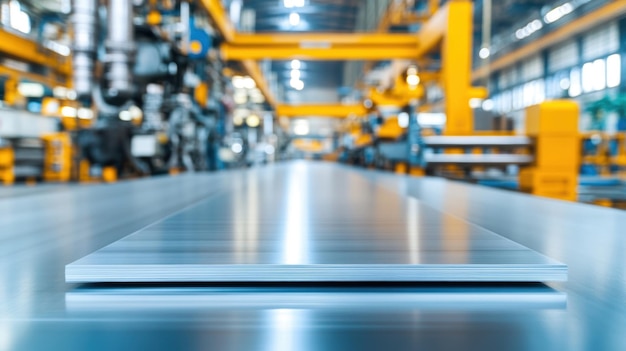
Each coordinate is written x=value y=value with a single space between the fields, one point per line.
x=528 y=29
x=253 y=121
x=301 y=127
x=294 y=19
x=297 y=84
x=293 y=3
x=238 y=82
x=558 y=13
x=488 y=105
x=295 y=74
x=484 y=53
x=249 y=83
x=476 y=103
x=296 y=64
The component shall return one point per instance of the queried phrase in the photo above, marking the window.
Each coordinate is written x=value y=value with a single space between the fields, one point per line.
x=613 y=71
x=601 y=41
x=588 y=79
x=532 y=68
x=563 y=56
x=575 y=88
x=599 y=74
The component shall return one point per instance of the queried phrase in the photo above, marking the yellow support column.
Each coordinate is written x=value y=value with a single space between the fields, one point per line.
x=457 y=67
x=7 y=158
x=554 y=127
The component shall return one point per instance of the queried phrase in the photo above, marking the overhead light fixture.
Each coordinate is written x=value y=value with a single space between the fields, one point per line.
x=297 y=84
x=238 y=82
x=412 y=79
x=475 y=103
x=294 y=19
x=295 y=74
x=249 y=83
x=484 y=53
x=301 y=127
x=488 y=105
x=293 y=3
x=253 y=121
x=558 y=13
x=296 y=64
x=528 y=29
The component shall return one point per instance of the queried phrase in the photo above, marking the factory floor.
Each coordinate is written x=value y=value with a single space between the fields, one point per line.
x=42 y=229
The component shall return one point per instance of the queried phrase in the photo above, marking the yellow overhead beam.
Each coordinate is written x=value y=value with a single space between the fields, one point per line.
x=254 y=71
x=29 y=51
x=604 y=14
x=324 y=39
x=220 y=17
x=348 y=52
x=329 y=111
x=51 y=80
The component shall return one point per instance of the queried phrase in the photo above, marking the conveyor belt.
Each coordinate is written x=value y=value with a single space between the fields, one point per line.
x=315 y=223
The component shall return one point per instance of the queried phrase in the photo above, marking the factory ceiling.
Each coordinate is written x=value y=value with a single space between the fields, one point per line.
x=348 y=16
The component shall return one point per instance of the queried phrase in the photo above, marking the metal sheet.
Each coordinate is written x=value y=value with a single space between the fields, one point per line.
x=475 y=159
x=312 y=222
x=141 y=300
x=43 y=228
x=477 y=141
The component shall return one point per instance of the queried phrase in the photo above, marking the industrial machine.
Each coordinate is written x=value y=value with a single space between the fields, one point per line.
x=155 y=92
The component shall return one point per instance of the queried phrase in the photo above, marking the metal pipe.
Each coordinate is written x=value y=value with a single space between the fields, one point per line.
x=84 y=24
x=120 y=51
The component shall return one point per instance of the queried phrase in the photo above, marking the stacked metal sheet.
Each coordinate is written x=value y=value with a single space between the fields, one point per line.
x=312 y=222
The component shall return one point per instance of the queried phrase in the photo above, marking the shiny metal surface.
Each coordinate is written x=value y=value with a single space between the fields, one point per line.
x=475 y=159
x=476 y=141
x=42 y=232
x=315 y=223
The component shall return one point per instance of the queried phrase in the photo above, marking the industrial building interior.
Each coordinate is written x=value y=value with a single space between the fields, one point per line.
x=312 y=174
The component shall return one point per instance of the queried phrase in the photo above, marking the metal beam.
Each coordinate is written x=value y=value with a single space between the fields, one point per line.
x=254 y=71
x=604 y=14
x=220 y=17
x=324 y=39
x=347 y=52
x=31 y=52
x=453 y=28
x=329 y=111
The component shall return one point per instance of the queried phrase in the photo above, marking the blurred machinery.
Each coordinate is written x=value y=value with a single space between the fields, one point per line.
x=135 y=84
x=151 y=89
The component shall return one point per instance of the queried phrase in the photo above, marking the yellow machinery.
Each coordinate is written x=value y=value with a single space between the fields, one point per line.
x=58 y=157
x=7 y=177
x=554 y=127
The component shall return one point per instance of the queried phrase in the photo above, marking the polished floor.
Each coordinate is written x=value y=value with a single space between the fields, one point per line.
x=42 y=232
x=312 y=223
